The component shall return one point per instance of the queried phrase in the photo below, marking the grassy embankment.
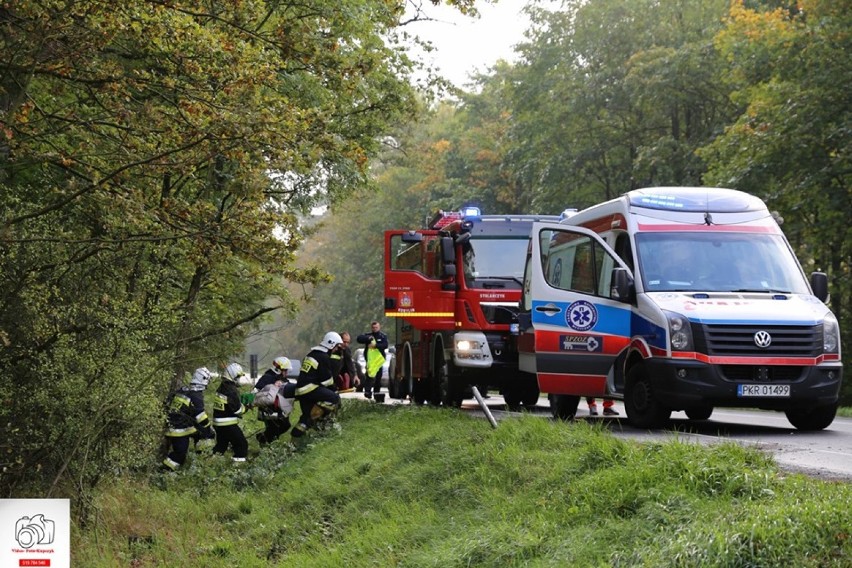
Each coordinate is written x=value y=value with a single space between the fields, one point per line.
x=419 y=487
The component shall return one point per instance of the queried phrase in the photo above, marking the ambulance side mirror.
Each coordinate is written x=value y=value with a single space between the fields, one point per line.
x=819 y=284
x=622 y=285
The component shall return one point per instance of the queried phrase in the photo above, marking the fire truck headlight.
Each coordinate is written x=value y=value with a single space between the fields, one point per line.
x=471 y=349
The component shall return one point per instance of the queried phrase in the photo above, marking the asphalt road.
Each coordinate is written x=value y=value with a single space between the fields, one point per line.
x=825 y=454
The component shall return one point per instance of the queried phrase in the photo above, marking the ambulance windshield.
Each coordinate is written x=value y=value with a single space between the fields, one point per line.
x=718 y=262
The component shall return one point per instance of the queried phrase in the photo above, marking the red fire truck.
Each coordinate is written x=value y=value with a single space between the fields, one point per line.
x=453 y=291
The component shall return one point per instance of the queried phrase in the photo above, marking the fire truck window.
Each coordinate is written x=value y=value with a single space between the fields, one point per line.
x=407 y=256
x=432 y=262
x=469 y=265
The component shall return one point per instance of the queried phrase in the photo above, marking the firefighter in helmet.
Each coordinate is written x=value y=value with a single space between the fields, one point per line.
x=187 y=418
x=276 y=423
x=227 y=412
x=314 y=386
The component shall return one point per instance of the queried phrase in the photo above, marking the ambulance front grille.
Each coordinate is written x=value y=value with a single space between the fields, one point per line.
x=786 y=340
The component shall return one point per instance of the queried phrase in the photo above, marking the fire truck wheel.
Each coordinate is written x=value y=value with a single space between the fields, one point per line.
x=420 y=391
x=529 y=390
x=643 y=409
x=394 y=388
x=563 y=406
x=450 y=393
x=512 y=396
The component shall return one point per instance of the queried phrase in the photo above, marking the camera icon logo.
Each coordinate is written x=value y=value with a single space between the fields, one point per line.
x=30 y=531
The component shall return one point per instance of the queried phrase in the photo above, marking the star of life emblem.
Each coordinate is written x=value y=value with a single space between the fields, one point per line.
x=581 y=315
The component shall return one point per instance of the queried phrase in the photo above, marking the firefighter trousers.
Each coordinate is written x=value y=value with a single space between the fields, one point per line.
x=315 y=405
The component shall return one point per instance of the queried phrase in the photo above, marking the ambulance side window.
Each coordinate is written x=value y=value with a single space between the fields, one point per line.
x=575 y=262
x=624 y=250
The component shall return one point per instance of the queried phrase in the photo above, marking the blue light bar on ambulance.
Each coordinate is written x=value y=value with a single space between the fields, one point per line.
x=695 y=199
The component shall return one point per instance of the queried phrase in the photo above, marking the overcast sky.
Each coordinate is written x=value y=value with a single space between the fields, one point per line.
x=464 y=44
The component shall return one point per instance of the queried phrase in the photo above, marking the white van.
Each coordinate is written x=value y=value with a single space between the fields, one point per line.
x=675 y=298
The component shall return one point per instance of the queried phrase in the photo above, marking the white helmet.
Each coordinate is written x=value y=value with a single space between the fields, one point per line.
x=200 y=378
x=331 y=340
x=281 y=364
x=233 y=372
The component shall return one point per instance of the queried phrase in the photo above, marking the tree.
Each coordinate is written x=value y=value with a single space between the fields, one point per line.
x=612 y=95
x=790 y=70
x=154 y=160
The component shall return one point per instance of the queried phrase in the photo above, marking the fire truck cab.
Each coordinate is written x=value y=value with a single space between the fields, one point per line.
x=453 y=291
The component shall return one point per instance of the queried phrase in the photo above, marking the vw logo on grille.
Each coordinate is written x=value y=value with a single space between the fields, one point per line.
x=762 y=339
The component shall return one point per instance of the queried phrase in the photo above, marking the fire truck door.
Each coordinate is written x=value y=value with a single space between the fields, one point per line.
x=572 y=329
x=420 y=279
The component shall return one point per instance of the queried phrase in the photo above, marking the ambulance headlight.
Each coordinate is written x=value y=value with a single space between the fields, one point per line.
x=830 y=335
x=680 y=332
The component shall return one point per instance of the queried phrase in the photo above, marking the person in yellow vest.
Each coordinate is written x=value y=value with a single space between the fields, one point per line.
x=375 y=346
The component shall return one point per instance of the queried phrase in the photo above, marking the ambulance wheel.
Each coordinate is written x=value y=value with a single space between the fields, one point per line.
x=816 y=418
x=563 y=406
x=699 y=412
x=643 y=409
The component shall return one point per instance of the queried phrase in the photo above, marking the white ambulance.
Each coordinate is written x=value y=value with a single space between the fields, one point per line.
x=677 y=298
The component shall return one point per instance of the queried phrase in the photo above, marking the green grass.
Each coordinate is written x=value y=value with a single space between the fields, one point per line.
x=423 y=487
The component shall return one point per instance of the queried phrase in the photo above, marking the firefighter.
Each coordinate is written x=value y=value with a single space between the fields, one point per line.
x=314 y=386
x=204 y=435
x=345 y=378
x=275 y=421
x=187 y=419
x=227 y=410
x=375 y=344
